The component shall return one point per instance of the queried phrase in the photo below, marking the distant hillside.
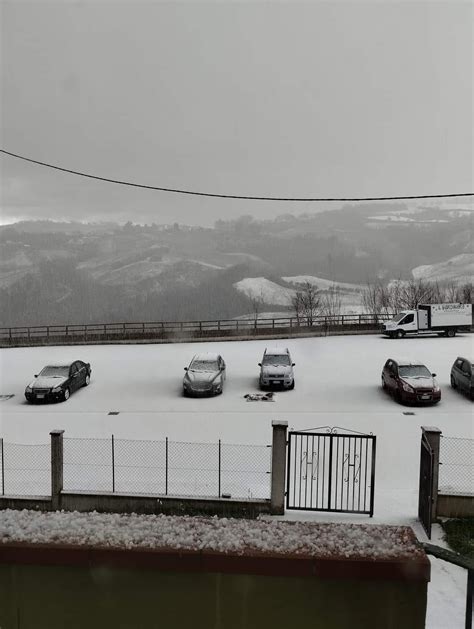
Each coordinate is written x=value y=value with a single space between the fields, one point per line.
x=69 y=272
x=459 y=269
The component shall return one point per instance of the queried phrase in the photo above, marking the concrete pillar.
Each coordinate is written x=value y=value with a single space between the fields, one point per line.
x=278 y=466
x=433 y=436
x=56 y=467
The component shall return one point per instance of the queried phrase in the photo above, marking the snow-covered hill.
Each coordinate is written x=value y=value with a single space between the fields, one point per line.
x=265 y=291
x=459 y=269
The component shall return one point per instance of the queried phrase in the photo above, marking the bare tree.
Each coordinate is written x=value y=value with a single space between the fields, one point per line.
x=257 y=302
x=307 y=303
x=376 y=299
x=332 y=302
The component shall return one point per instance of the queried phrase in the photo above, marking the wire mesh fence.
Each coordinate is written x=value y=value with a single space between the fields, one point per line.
x=170 y=468
x=25 y=469
x=456 y=472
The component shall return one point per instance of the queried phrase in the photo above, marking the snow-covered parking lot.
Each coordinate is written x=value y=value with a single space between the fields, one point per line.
x=337 y=384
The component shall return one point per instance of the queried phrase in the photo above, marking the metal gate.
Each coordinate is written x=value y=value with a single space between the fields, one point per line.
x=328 y=471
x=425 y=495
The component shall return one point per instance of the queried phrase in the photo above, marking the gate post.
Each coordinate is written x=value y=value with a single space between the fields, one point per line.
x=56 y=467
x=278 y=467
x=433 y=436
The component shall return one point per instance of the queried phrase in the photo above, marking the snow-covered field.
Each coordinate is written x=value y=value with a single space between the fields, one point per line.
x=337 y=384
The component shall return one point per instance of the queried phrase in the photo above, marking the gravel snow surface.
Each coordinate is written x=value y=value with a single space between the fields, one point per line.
x=211 y=534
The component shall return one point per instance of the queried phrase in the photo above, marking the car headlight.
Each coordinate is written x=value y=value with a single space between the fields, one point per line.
x=28 y=389
x=56 y=390
x=436 y=389
x=406 y=387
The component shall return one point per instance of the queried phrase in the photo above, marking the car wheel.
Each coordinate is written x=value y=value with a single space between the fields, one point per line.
x=453 y=383
x=400 y=334
x=292 y=385
x=87 y=380
x=398 y=397
x=66 y=395
x=384 y=384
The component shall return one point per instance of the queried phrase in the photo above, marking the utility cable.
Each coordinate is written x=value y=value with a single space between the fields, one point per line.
x=237 y=196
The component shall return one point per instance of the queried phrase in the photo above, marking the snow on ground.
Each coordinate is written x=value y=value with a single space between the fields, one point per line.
x=211 y=534
x=459 y=269
x=265 y=291
x=337 y=384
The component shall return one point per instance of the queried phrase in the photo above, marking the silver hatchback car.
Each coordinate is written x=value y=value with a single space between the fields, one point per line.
x=276 y=368
x=205 y=375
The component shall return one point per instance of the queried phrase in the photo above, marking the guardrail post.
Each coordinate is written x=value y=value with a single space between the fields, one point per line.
x=57 y=464
x=277 y=496
x=433 y=436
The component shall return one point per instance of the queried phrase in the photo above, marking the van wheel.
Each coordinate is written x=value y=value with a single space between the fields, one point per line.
x=451 y=333
x=453 y=383
x=400 y=334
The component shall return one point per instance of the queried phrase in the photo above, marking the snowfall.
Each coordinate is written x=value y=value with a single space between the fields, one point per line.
x=337 y=385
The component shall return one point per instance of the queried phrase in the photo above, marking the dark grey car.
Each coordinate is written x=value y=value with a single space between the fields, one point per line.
x=462 y=376
x=205 y=375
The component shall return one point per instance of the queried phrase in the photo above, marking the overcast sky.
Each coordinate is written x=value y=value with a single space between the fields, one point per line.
x=282 y=99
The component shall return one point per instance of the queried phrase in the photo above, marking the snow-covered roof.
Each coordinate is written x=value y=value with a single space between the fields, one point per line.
x=221 y=535
x=64 y=363
x=206 y=356
x=276 y=351
x=403 y=361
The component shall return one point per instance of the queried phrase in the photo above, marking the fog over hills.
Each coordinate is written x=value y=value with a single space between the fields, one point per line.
x=57 y=272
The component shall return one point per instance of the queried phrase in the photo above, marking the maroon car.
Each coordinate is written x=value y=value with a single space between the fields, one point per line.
x=410 y=381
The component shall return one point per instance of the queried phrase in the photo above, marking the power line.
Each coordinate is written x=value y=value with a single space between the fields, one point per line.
x=236 y=196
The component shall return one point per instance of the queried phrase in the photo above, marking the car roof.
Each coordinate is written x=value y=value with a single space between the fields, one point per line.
x=63 y=364
x=471 y=362
x=401 y=361
x=276 y=351
x=206 y=356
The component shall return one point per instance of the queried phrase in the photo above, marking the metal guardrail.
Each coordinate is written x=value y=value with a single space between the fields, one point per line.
x=170 y=330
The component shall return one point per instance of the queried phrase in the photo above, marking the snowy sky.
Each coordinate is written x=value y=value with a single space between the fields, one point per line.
x=283 y=99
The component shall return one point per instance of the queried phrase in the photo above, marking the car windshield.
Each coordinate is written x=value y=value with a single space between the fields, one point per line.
x=276 y=359
x=398 y=317
x=414 y=371
x=55 y=371
x=203 y=365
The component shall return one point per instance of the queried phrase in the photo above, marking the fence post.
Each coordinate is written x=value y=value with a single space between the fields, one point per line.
x=3 y=469
x=166 y=467
x=57 y=461
x=113 y=464
x=220 y=463
x=433 y=436
x=278 y=467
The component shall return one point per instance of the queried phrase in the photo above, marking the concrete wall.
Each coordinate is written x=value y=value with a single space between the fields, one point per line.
x=148 y=590
x=118 y=503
